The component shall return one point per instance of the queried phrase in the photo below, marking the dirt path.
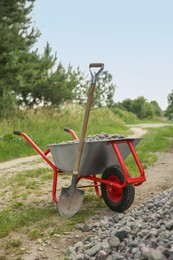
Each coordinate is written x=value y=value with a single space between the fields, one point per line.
x=159 y=178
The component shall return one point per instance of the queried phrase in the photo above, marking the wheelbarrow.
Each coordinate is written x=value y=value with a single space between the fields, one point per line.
x=105 y=158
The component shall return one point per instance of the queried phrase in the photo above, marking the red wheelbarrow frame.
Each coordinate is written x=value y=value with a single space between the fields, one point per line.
x=127 y=180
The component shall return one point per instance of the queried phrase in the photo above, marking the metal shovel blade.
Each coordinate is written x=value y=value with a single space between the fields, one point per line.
x=70 y=201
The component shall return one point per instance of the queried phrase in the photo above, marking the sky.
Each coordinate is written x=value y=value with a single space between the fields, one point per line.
x=133 y=38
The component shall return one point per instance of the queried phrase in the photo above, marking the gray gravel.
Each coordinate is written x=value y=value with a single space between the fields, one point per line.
x=96 y=138
x=144 y=233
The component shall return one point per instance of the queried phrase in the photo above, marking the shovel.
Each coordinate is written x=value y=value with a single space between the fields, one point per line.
x=71 y=198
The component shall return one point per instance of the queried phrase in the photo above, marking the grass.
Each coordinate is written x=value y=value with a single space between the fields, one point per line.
x=13 y=219
x=31 y=215
x=156 y=140
x=37 y=221
x=47 y=126
x=26 y=178
x=13 y=243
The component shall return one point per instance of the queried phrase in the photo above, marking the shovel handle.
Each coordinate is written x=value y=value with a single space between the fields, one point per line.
x=86 y=116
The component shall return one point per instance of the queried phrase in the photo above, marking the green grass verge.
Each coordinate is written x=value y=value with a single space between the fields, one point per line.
x=47 y=127
x=13 y=219
x=37 y=221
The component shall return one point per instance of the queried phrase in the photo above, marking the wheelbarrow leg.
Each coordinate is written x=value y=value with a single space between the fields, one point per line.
x=44 y=156
x=55 y=179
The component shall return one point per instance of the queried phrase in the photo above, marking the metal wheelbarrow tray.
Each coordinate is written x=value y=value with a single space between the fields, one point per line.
x=96 y=157
x=104 y=157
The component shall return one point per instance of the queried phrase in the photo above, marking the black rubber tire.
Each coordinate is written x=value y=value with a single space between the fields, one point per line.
x=126 y=195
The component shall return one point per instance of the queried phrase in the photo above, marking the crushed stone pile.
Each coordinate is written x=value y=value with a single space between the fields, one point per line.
x=97 y=137
x=145 y=233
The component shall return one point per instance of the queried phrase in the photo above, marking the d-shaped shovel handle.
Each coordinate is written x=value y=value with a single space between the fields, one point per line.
x=95 y=74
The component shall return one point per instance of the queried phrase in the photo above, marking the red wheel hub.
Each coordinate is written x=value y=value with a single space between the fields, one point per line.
x=114 y=194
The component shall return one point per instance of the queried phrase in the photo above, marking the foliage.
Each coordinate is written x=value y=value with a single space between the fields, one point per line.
x=104 y=90
x=32 y=78
x=157 y=109
x=127 y=117
x=169 y=110
x=170 y=98
x=141 y=107
x=16 y=41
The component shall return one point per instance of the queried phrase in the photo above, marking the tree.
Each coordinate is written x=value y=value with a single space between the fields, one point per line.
x=139 y=106
x=169 y=109
x=170 y=98
x=16 y=39
x=28 y=76
x=104 y=91
x=42 y=84
x=126 y=104
x=80 y=91
x=156 y=107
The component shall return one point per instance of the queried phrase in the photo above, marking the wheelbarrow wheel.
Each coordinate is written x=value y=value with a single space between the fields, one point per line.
x=117 y=199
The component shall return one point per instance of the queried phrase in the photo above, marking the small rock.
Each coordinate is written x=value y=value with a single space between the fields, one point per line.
x=78 y=226
x=101 y=255
x=164 y=234
x=40 y=240
x=145 y=252
x=21 y=248
x=156 y=254
x=114 y=241
x=28 y=252
x=133 y=243
x=80 y=256
x=93 y=250
x=171 y=253
x=86 y=228
x=56 y=235
x=78 y=245
x=115 y=256
x=70 y=251
x=66 y=233
x=169 y=225
x=150 y=205
x=122 y=233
